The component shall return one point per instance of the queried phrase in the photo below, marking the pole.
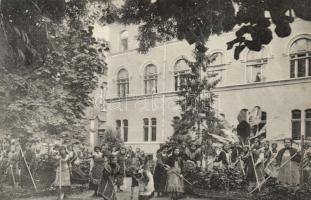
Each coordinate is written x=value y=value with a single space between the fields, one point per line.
x=33 y=182
x=252 y=158
x=60 y=177
x=11 y=168
x=242 y=167
x=271 y=174
x=301 y=161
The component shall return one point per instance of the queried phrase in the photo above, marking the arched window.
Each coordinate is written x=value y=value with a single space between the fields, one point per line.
x=296 y=124
x=181 y=70
x=151 y=79
x=255 y=65
x=124 y=40
x=123 y=83
x=215 y=70
x=216 y=59
x=308 y=123
x=300 y=58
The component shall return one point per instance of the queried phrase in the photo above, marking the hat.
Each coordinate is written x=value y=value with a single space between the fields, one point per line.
x=62 y=148
x=97 y=147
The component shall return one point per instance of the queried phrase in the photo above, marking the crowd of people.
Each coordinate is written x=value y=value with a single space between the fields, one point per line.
x=23 y=163
x=104 y=169
x=258 y=161
x=108 y=166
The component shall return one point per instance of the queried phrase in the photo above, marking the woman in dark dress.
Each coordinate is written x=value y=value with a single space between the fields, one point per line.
x=121 y=174
x=160 y=171
x=106 y=186
x=175 y=183
x=99 y=161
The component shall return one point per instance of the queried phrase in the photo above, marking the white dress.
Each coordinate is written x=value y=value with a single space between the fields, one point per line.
x=62 y=173
x=289 y=173
x=146 y=189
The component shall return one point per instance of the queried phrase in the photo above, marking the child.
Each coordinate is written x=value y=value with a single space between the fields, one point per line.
x=146 y=183
x=274 y=148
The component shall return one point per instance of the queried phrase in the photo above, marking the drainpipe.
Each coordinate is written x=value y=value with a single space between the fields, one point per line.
x=163 y=96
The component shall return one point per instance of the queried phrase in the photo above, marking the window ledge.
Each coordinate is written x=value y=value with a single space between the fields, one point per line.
x=143 y=143
x=142 y=96
x=264 y=84
x=218 y=89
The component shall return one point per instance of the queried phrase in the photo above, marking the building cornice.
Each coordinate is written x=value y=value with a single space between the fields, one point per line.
x=264 y=84
x=218 y=89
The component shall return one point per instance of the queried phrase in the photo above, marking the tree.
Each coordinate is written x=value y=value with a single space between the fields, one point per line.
x=52 y=66
x=196 y=20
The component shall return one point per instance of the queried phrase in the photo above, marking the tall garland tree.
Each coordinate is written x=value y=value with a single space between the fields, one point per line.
x=196 y=100
x=52 y=65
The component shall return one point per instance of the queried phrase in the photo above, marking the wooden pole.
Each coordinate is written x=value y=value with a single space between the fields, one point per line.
x=242 y=167
x=60 y=178
x=33 y=181
x=11 y=168
x=252 y=158
x=271 y=174
x=301 y=161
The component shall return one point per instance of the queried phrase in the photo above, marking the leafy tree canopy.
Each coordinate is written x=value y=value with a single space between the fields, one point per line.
x=51 y=67
x=196 y=20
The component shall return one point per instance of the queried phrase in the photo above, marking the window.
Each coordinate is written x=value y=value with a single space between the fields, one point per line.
x=181 y=70
x=118 y=126
x=124 y=40
x=153 y=129
x=308 y=123
x=263 y=123
x=151 y=79
x=2 y=94
x=123 y=83
x=296 y=124
x=125 y=130
x=101 y=134
x=215 y=70
x=216 y=59
x=300 y=58
x=255 y=65
x=146 y=129
x=103 y=93
x=175 y=123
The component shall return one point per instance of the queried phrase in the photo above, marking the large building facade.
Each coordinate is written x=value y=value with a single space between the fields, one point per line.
x=142 y=88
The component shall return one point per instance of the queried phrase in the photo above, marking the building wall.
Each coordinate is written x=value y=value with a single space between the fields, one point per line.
x=276 y=98
x=96 y=116
x=276 y=94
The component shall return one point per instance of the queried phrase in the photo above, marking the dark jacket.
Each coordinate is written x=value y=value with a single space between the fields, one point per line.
x=292 y=151
x=222 y=158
